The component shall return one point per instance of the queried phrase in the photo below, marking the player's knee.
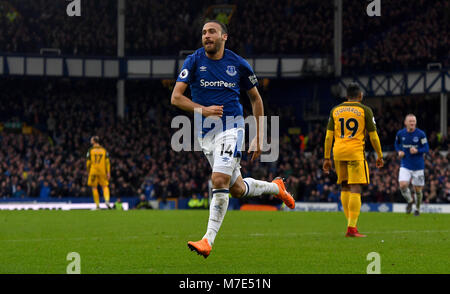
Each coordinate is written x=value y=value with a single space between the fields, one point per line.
x=355 y=189
x=220 y=180
x=418 y=189
x=403 y=186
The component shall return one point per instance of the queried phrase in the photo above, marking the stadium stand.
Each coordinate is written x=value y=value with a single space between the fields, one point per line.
x=368 y=43
x=50 y=161
x=415 y=34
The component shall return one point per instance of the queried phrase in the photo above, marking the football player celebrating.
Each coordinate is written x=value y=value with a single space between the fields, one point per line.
x=411 y=144
x=216 y=76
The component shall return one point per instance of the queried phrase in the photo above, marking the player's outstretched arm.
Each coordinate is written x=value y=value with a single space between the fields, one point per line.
x=179 y=100
x=375 y=141
x=258 y=113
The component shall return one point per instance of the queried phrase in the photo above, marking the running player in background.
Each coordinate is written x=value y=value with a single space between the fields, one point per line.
x=216 y=76
x=411 y=144
x=347 y=125
x=99 y=171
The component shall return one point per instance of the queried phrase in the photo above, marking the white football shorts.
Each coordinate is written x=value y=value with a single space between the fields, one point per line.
x=224 y=152
x=418 y=176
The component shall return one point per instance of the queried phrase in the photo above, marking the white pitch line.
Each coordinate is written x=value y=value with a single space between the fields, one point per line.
x=332 y=233
x=66 y=239
x=251 y=235
x=410 y=231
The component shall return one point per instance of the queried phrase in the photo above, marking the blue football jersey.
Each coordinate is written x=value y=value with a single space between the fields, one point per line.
x=218 y=82
x=404 y=140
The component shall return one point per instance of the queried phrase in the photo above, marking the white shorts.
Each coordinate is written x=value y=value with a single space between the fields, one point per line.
x=418 y=176
x=224 y=152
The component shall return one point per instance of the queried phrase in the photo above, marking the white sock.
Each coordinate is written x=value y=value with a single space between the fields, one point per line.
x=407 y=195
x=217 y=210
x=257 y=188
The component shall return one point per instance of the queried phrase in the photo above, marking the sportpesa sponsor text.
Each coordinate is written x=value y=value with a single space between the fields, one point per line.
x=205 y=84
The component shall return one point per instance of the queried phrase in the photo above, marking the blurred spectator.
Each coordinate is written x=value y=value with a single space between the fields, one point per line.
x=19 y=193
x=143 y=203
x=45 y=190
x=118 y=204
x=148 y=188
x=197 y=203
x=333 y=195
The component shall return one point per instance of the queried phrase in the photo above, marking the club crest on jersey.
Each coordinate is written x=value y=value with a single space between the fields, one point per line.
x=415 y=139
x=231 y=70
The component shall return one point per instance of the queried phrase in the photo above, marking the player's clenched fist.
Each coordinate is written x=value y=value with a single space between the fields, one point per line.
x=326 y=166
x=413 y=150
x=213 y=110
x=379 y=163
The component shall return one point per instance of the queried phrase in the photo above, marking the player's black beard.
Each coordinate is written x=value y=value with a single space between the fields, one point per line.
x=214 y=50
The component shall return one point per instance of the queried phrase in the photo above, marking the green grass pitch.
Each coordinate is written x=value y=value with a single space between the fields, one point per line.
x=249 y=242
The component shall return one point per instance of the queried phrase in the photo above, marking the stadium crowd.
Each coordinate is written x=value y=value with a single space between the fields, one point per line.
x=410 y=35
x=50 y=162
x=290 y=27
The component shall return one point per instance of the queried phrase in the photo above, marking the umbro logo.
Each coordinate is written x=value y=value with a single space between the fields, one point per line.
x=202 y=68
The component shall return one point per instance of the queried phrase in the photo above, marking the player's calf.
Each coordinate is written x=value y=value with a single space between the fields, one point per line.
x=419 y=196
x=406 y=193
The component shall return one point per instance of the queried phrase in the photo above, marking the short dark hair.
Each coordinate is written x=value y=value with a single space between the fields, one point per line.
x=222 y=25
x=353 y=90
